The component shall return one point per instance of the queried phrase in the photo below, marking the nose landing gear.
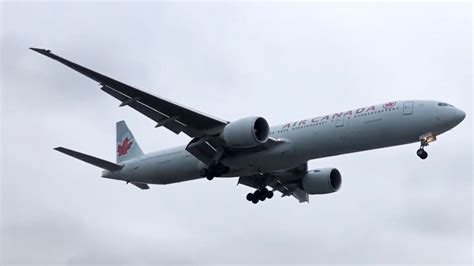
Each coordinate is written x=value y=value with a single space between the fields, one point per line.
x=422 y=153
x=425 y=140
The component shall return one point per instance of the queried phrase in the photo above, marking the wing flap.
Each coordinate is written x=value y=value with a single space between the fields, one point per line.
x=292 y=190
x=202 y=150
x=140 y=185
x=300 y=195
x=146 y=110
x=254 y=181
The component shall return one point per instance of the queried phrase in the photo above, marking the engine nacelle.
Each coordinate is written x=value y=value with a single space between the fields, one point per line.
x=321 y=181
x=246 y=132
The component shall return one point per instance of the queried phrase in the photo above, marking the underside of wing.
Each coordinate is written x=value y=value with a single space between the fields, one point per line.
x=208 y=149
x=286 y=182
x=292 y=190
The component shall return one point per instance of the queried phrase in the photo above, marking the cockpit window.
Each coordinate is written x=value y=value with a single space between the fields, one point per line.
x=444 y=104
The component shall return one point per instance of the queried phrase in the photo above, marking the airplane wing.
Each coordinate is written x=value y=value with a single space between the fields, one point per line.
x=285 y=182
x=293 y=190
x=204 y=129
x=166 y=113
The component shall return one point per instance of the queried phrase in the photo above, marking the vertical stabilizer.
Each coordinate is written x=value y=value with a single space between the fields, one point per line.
x=127 y=146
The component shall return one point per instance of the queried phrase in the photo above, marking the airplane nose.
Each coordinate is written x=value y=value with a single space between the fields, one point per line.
x=461 y=115
x=458 y=116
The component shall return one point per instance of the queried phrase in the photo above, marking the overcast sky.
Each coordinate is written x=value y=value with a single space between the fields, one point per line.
x=281 y=61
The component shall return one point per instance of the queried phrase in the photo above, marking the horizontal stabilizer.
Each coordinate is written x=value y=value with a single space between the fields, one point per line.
x=90 y=159
x=140 y=185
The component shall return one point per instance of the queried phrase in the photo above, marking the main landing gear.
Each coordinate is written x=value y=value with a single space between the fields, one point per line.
x=260 y=195
x=215 y=169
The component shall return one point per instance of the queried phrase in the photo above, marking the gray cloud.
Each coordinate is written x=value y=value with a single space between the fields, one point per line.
x=282 y=61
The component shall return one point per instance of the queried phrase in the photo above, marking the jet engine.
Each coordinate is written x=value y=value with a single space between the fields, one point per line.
x=246 y=132
x=321 y=181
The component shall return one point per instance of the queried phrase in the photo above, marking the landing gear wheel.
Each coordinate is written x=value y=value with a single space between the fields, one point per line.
x=262 y=195
x=422 y=154
x=424 y=141
x=250 y=197
x=209 y=177
x=270 y=194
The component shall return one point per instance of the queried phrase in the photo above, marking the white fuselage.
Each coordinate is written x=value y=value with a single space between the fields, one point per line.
x=361 y=129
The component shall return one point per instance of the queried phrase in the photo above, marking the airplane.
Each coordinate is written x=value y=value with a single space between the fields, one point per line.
x=265 y=158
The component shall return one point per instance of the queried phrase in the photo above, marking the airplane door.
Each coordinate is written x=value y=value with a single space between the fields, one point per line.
x=408 y=108
x=339 y=121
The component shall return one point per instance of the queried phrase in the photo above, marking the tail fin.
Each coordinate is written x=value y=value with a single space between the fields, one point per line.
x=127 y=146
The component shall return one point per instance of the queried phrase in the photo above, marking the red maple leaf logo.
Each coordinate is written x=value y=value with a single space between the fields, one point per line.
x=122 y=149
x=389 y=105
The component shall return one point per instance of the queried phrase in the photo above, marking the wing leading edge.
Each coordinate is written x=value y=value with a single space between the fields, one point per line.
x=166 y=113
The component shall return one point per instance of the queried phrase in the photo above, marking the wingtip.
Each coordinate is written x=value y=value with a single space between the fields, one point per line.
x=58 y=148
x=40 y=50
